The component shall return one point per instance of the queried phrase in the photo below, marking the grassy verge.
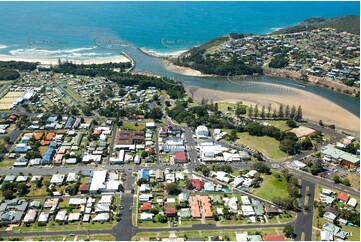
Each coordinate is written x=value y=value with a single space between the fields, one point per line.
x=101 y=237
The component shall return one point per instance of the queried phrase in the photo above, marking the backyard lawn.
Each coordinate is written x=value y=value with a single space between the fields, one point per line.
x=272 y=186
x=267 y=145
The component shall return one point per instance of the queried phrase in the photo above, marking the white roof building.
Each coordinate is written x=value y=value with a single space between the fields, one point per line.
x=101 y=217
x=61 y=216
x=146 y=216
x=231 y=204
x=57 y=179
x=247 y=210
x=245 y=200
x=352 y=202
x=98 y=181
x=237 y=181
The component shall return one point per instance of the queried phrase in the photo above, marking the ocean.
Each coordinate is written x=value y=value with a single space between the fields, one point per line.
x=90 y=30
x=75 y=30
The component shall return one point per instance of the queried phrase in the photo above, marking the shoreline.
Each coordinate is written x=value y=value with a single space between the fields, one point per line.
x=281 y=73
x=51 y=61
x=314 y=107
x=186 y=71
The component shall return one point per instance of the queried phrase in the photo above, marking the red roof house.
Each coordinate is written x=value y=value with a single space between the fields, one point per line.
x=180 y=157
x=197 y=184
x=146 y=206
x=273 y=238
x=170 y=212
x=84 y=188
x=343 y=197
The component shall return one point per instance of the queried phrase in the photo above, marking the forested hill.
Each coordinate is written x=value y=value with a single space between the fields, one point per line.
x=349 y=23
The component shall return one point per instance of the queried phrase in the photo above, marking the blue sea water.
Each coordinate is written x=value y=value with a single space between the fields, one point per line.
x=70 y=29
x=88 y=30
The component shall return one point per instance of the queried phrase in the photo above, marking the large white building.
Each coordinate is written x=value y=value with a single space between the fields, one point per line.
x=202 y=132
x=98 y=182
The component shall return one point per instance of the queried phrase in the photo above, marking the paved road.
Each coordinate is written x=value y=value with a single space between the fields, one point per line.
x=303 y=223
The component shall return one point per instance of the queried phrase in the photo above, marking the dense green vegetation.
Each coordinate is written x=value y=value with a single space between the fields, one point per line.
x=19 y=65
x=349 y=23
x=196 y=58
x=7 y=74
x=278 y=62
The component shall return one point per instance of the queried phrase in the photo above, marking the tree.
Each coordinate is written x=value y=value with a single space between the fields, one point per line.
x=320 y=123
x=288 y=230
x=269 y=109
x=250 y=111
x=290 y=123
x=298 y=115
x=173 y=189
x=346 y=182
x=287 y=111
x=8 y=194
x=336 y=179
x=289 y=146
x=233 y=135
x=280 y=112
x=263 y=112
x=261 y=167
x=256 y=111
x=293 y=111
x=22 y=189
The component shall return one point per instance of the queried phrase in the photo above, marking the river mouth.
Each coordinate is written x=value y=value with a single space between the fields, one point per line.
x=265 y=85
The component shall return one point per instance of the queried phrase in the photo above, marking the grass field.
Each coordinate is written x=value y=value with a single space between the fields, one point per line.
x=7 y=162
x=131 y=126
x=354 y=180
x=267 y=145
x=279 y=124
x=272 y=186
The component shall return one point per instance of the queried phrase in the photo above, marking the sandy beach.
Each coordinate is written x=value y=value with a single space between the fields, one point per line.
x=120 y=58
x=314 y=107
x=186 y=71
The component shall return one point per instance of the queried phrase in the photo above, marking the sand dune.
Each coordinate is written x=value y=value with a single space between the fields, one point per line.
x=314 y=107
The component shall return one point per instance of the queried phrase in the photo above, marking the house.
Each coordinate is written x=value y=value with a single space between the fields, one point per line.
x=352 y=202
x=84 y=188
x=51 y=202
x=146 y=206
x=143 y=174
x=184 y=213
x=146 y=216
x=44 y=217
x=329 y=216
x=34 y=179
x=170 y=178
x=101 y=217
x=208 y=187
x=170 y=212
x=61 y=216
x=272 y=210
x=273 y=238
x=74 y=217
x=245 y=200
x=247 y=210
x=180 y=157
x=145 y=188
x=183 y=197
x=57 y=179
x=326 y=236
x=231 y=204
x=30 y=216
x=72 y=177
x=145 y=197
x=343 y=198
x=197 y=184
x=35 y=204
x=159 y=175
